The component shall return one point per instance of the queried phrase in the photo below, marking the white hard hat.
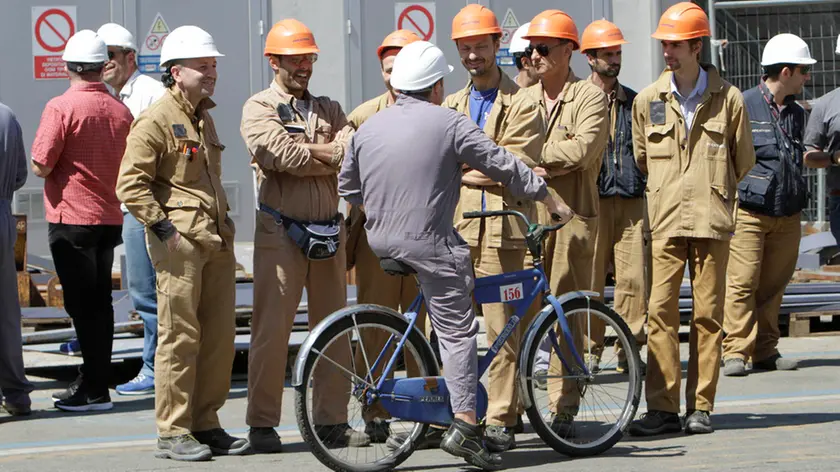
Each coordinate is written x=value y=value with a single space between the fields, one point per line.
x=116 y=36
x=518 y=43
x=188 y=42
x=418 y=66
x=85 y=47
x=786 y=48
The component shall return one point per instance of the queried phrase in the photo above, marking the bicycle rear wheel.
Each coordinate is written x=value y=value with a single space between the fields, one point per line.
x=574 y=413
x=348 y=351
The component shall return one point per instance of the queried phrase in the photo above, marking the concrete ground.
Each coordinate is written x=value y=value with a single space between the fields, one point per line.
x=766 y=421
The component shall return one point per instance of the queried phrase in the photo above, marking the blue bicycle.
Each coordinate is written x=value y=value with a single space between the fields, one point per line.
x=575 y=399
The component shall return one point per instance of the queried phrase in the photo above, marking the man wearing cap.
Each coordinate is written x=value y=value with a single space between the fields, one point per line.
x=77 y=151
x=14 y=387
x=822 y=144
x=527 y=75
x=137 y=92
x=170 y=180
x=372 y=283
x=511 y=118
x=621 y=186
x=575 y=113
x=298 y=141
x=404 y=166
x=691 y=137
x=771 y=198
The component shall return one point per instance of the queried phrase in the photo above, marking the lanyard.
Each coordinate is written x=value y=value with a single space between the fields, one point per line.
x=774 y=113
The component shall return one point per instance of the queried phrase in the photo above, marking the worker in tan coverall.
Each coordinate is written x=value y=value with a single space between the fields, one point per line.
x=372 y=283
x=298 y=141
x=511 y=118
x=170 y=180
x=692 y=138
x=621 y=185
x=575 y=113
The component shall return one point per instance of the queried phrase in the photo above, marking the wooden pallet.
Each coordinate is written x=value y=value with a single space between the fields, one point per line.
x=813 y=324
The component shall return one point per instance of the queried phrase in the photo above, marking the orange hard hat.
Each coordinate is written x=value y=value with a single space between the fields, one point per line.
x=554 y=24
x=289 y=37
x=397 y=39
x=474 y=20
x=685 y=20
x=601 y=34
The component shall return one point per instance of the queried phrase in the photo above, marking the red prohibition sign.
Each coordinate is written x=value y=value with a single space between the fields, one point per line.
x=404 y=16
x=43 y=19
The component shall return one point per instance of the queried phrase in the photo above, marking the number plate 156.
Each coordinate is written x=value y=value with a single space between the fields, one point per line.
x=512 y=292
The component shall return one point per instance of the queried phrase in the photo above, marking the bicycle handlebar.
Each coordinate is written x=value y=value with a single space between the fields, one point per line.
x=485 y=214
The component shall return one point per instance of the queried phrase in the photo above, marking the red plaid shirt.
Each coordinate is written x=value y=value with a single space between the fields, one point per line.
x=82 y=137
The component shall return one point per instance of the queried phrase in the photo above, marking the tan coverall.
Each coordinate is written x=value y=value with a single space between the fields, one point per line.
x=196 y=282
x=576 y=135
x=692 y=203
x=619 y=243
x=372 y=283
x=497 y=245
x=300 y=187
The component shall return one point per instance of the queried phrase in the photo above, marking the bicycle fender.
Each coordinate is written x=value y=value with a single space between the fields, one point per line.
x=531 y=334
x=340 y=315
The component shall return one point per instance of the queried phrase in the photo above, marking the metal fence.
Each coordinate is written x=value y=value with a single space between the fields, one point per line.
x=747 y=25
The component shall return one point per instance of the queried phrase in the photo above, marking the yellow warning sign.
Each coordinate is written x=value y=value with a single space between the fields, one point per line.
x=510 y=20
x=159 y=26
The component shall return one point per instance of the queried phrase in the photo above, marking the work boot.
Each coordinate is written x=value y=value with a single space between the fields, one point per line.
x=593 y=362
x=183 y=448
x=698 y=422
x=341 y=435
x=223 y=444
x=499 y=438
x=378 y=431
x=775 y=362
x=540 y=382
x=17 y=409
x=520 y=425
x=655 y=422
x=465 y=440
x=623 y=366
x=69 y=391
x=563 y=424
x=734 y=367
x=265 y=440
x=431 y=440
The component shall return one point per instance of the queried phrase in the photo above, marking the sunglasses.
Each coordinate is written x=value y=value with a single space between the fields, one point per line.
x=300 y=59
x=112 y=54
x=542 y=49
x=805 y=70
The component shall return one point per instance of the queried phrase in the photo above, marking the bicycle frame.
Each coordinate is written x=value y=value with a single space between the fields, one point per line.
x=501 y=288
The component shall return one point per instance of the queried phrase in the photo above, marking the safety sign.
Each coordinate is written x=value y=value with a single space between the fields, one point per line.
x=509 y=26
x=417 y=17
x=52 y=27
x=149 y=58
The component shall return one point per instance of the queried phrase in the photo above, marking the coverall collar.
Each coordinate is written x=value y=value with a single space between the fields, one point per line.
x=714 y=84
x=620 y=94
x=181 y=100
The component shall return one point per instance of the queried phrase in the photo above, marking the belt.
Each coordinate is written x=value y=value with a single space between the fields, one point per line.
x=282 y=219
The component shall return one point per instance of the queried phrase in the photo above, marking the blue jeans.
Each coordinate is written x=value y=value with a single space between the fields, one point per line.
x=141 y=287
x=834 y=216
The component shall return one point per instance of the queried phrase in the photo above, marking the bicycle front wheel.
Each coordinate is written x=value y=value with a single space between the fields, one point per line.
x=344 y=431
x=574 y=413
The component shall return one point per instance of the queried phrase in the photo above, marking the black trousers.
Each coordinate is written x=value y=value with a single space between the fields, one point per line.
x=83 y=256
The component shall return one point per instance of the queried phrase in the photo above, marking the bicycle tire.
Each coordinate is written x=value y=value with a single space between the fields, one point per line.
x=364 y=319
x=634 y=390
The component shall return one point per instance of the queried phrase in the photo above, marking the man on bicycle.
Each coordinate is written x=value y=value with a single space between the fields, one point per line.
x=404 y=165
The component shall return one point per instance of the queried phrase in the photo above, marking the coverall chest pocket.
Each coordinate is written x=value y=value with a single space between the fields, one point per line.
x=323 y=134
x=564 y=131
x=187 y=161
x=713 y=144
x=661 y=141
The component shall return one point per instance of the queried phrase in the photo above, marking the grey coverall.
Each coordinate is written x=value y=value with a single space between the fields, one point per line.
x=404 y=166
x=13 y=175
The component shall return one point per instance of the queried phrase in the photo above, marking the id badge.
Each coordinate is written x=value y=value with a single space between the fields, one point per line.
x=657 y=112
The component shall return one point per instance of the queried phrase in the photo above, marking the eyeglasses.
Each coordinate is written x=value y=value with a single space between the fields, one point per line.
x=297 y=60
x=542 y=49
